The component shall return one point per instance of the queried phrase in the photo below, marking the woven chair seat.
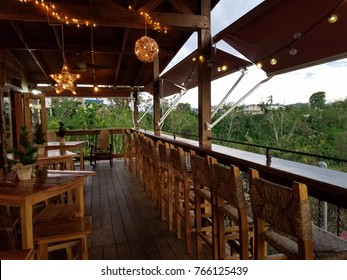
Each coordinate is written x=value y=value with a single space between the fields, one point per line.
x=328 y=246
x=325 y=245
x=204 y=193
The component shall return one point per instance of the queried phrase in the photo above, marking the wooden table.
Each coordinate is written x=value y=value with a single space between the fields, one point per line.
x=42 y=186
x=54 y=157
x=69 y=146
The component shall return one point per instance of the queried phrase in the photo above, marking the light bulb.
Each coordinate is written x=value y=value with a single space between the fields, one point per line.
x=273 y=61
x=293 y=51
x=333 y=18
x=259 y=65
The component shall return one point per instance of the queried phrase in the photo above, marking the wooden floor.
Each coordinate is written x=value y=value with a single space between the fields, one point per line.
x=126 y=223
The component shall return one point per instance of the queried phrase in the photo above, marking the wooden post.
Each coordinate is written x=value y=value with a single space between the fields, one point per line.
x=204 y=72
x=156 y=97
x=136 y=111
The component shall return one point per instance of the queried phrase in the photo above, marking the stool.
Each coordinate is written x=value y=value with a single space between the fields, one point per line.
x=184 y=196
x=55 y=212
x=282 y=218
x=166 y=192
x=206 y=220
x=56 y=235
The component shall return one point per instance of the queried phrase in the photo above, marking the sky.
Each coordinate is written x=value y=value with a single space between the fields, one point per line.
x=293 y=87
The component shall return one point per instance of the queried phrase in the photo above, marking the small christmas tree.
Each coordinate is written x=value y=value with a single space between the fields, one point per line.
x=61 y=129
x=39 y=136
x=27 y=155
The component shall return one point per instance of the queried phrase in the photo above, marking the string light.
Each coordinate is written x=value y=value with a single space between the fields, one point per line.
x=148 y=19
x=52 y=10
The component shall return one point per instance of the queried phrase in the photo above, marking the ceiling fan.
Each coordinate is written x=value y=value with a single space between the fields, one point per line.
x=83 y=66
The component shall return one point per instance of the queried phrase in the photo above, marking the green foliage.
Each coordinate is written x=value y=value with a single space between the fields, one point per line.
x=26 y=155
x=314 y=127
x=39 y=135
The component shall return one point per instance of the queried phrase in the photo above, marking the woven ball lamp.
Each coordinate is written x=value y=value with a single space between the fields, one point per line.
x=146 y=49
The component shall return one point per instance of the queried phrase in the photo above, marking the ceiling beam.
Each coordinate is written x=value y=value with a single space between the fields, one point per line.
x=103 y=16
x=87 y=92
x=21 y=36
x=71 y=48
x=151 y=5
x=120 y=56
x=181 y=7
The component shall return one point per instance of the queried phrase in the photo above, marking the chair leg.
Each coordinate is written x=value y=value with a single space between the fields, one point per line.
x=42 y=251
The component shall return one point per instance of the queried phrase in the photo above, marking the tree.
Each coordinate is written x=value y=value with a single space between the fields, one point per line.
x=317 y=100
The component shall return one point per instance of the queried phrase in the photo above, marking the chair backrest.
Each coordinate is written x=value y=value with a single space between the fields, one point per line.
x=201 y=170
x=164 y=156
x=229 y=184
x=178 y=162
x=104 y=142
x=286 y=210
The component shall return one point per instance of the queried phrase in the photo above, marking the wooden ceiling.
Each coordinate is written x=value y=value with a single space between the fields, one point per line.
x=103 y=55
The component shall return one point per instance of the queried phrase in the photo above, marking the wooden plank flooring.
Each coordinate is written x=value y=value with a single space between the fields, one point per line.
x=126 y=223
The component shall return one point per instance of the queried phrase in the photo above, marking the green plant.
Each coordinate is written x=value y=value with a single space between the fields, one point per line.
x=39 y=135
x=27 y=155
x=61 y=129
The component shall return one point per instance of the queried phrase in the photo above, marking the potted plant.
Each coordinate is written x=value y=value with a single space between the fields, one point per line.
x=24 y=158
x=39 y=139
x=61 y=133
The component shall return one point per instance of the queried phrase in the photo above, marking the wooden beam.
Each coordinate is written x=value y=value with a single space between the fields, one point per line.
x=156 y=97
x=119 y=60
x=204 y=82
x=103 y=16
x=86 y=92
x=151 y=5
x=21 y=36
x=181 y=7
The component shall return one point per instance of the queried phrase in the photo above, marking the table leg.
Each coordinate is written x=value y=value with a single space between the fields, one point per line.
x=26 y=215
x=79 y=199
x=81 y=157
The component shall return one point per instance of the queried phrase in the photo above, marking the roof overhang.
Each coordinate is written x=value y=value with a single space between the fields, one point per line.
x=279 y=28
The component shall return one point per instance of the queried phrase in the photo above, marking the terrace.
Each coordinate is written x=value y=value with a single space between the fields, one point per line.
x=124 y=217
x=126 y=221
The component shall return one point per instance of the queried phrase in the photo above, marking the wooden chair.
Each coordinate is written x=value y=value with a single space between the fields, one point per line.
x=205 y=201
x=54 y=235
x=154 y=171
x=282 y=218
x=103 y=151
x=166 y=190
x=137 y=148
x=130 y=150
x=235 y=224
x=184 y=196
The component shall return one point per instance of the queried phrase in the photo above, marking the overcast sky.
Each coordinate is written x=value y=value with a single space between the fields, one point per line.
x=293 y=87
